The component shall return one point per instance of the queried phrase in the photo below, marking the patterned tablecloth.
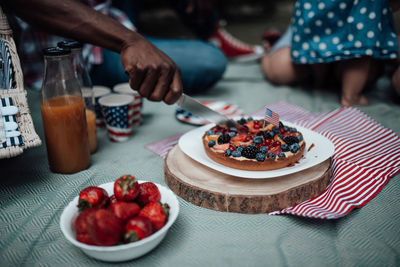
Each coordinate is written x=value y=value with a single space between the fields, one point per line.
x=32 y=198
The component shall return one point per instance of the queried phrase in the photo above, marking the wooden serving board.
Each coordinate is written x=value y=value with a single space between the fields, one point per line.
x=211 y=189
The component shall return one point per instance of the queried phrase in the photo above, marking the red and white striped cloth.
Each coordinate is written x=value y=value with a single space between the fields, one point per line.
x=366 y=156
x=164 y=146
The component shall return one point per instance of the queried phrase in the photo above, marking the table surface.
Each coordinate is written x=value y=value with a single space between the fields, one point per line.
x=32 y=198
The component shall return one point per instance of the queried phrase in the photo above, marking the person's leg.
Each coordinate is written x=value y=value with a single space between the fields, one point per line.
x=354 y=76
x=396 y=74
x=279 y=69
x=277 y=65
x=396 y=80
x=201 y=64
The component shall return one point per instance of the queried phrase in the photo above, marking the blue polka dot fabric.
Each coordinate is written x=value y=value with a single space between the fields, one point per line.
x=333 y=30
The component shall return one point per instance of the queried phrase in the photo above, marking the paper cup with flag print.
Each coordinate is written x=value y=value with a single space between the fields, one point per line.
x=117 y=109
x=124 y=88
x=98 y=91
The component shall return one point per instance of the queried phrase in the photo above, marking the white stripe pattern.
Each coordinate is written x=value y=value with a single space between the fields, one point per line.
x=12 y=140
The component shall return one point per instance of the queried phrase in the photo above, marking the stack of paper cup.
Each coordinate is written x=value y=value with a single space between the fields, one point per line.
x=136 y=108
x=98 y=92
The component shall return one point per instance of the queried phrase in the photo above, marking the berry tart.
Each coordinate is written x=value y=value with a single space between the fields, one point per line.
x=259 y=147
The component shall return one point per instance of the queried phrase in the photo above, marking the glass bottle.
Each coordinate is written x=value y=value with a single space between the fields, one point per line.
x=85 y=82
x=63 y=114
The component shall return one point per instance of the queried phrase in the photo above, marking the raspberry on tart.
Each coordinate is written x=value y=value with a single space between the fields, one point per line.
x=260 y=147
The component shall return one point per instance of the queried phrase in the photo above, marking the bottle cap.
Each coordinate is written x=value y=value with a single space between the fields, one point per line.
x=56 y=51
x=70 y=44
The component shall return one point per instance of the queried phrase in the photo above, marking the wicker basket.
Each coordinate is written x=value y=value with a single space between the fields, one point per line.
x=18 y=96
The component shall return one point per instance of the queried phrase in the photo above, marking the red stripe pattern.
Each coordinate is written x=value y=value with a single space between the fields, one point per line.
x=366 y=156
x=164 y=146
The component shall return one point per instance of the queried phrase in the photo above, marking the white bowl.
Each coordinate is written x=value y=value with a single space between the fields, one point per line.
x=120 y=252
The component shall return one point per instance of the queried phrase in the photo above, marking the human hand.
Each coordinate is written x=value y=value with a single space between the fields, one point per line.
x=152 y=73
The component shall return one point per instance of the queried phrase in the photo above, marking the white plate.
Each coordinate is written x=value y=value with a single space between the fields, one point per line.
x=192 y=145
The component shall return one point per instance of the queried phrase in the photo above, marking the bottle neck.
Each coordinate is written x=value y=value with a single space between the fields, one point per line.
x=58 y=66
x=77 y=58
x=80 y=69
x=59 y=77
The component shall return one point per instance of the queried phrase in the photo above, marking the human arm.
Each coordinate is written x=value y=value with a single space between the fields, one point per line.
x=152 y=73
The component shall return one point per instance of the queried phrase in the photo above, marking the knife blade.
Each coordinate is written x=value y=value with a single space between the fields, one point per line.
x=195 y=107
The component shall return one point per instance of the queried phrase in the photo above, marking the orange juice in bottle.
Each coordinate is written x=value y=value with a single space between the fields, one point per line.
x=86 y=85
x=63 y=114
x=91 y=129
x=64 y=122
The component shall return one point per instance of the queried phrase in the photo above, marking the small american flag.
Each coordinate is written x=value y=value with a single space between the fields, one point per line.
x=271 y=117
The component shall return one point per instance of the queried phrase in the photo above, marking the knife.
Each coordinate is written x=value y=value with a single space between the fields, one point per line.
x=195 y=107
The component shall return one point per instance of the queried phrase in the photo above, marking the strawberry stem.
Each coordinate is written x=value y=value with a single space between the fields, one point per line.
x=131 y=236
x=83 y=204
x=126 y=183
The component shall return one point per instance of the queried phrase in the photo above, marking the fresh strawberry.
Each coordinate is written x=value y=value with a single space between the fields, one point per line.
x=85 y=238
x=148 y=192
x=221 y=147
x=289 y=134
x=107 y=228
x=113 y=199
x=137 y=228
x=217 y=128
x=267 y=142
x=275 y=150
x=239 y=137
x=92 y=197
x=84 y=224
x=276 y=144
x=126 y=188
x=157 y=213
x=250 y=126
x=124 y=210
x=257 y=125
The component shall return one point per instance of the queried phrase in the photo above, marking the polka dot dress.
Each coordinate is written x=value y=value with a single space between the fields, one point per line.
x=327 y=31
